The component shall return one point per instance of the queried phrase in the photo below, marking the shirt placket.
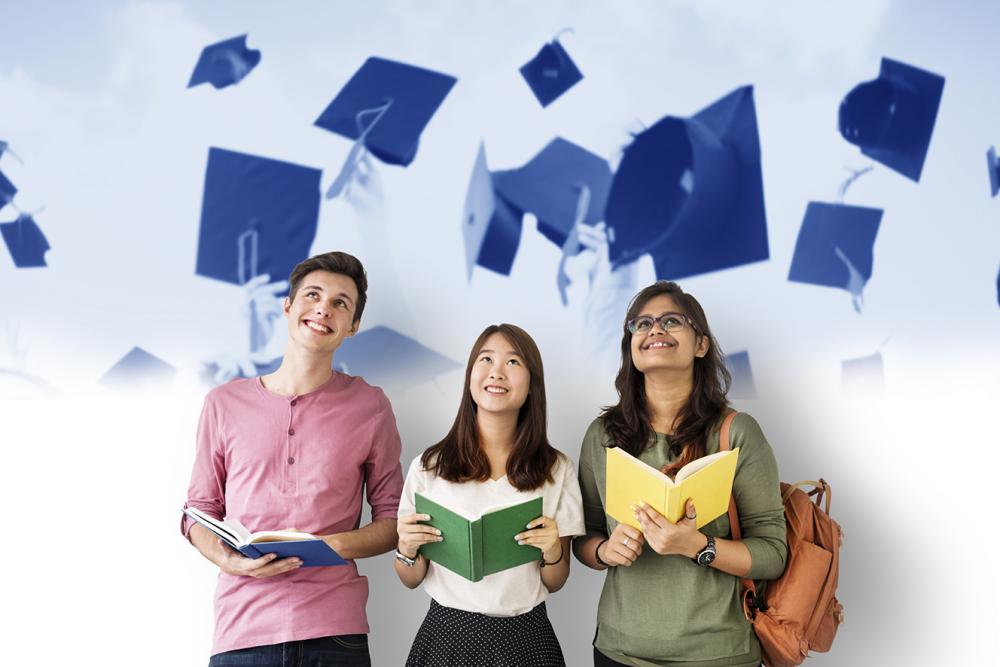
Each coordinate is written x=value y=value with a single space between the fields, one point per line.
x=290 y=464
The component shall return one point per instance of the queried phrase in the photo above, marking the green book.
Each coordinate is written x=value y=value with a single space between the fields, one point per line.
x=475 y=547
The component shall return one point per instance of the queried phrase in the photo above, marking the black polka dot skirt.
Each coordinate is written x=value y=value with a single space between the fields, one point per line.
x=455 y=638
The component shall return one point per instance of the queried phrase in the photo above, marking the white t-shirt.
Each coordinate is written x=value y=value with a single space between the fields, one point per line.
x=518 y=589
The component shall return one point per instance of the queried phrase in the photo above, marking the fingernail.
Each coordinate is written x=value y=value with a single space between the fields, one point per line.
x=528 y=526
x=643 y=504
x=437 y=531
x=521 y=542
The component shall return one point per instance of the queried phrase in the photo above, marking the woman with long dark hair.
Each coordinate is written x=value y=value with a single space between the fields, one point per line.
x=672 y=593
x=496 y=453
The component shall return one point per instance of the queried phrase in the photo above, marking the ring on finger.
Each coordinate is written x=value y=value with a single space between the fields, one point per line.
x=626 y=541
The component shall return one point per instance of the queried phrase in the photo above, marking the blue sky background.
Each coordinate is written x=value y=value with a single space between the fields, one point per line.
x=115 y=148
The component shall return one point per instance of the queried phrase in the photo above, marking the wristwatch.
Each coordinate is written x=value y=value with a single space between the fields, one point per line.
x=406 y=560
x=706 y=555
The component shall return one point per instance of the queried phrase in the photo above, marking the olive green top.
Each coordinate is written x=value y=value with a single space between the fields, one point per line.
x=667 y=610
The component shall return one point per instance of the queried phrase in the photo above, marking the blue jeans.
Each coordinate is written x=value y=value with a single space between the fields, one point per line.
x=333 y=651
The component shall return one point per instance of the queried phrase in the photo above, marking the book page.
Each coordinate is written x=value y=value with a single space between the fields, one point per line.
x=698 y=464
x=280 y=536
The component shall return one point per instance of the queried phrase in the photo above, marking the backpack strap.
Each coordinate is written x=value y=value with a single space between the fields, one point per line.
x=749 y=596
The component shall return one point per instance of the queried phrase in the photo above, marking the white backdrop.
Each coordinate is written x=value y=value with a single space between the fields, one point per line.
x=115 y=147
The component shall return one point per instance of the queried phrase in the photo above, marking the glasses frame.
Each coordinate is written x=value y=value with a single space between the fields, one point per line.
x=629 y=325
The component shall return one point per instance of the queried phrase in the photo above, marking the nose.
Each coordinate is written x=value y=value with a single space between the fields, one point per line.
x=496 y=373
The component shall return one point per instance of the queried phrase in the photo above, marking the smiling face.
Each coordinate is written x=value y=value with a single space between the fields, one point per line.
x=657 y=349
x=321 y=315
x=499 y=379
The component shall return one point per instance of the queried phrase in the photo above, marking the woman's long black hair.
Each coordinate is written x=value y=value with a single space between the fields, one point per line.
x=628 y=422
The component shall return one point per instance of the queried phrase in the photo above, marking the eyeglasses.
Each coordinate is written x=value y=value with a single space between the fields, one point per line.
x=669 y=322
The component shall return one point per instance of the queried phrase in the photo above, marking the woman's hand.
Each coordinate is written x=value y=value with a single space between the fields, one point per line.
x=413 y=535
x=622 y=547
x=544 y=534
x=665 y=538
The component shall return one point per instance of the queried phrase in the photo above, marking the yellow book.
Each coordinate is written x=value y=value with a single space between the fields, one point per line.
x=707 y=481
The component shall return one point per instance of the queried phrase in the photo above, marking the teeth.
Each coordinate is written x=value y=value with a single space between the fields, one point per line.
x=496 y=390
x=657 y=345
x=318 y=327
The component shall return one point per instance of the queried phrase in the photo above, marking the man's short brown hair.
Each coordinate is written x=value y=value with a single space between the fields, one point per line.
x=334 y=262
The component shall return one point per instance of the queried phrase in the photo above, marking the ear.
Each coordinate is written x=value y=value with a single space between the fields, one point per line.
x=287 y=305
x=354 y=328
x=703 y=346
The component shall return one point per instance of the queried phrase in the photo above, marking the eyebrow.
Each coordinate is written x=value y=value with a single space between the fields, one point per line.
x=513 y=353
x=344 y=295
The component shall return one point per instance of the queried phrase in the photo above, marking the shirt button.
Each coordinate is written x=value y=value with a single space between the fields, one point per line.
x=291 y=431
x=291 y=460
x=293 y=402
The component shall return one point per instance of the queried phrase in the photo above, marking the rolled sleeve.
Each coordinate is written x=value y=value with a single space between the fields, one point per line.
x=207 y=489
x=757 y=492
x=383 y=475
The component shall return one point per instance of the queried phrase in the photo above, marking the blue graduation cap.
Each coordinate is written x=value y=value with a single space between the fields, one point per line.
x=563 y=185
x=891 y=118
x=835 y=247
x=863 y=375
x=224 y=63
x=551 y=184
x=551 y=73
x=138 y=371
x=993 y=164
x=689 y=191
x=491 y=226
x=25 y=241
x=258 y=215
x=388 y=359
x=7 y=191
x=385 y=106
x=738 y=364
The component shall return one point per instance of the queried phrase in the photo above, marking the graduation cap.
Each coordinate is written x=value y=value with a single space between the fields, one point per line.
x=7 y=191
x=835 y=247
x=491 y=226
x=5 y=148
x=225 y=63
x=689 y=191
x=384 y=108
x=551 y=73
x=258 y=215
x=862 y=376
x=563 y=185
x=25 y=241
x=388 y=359
x=891 y=118
x=993 y=164
x=138 y=371
x=738 y=364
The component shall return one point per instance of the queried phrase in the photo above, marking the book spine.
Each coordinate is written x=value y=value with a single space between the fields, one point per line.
x=250 y=551
x=476 y=546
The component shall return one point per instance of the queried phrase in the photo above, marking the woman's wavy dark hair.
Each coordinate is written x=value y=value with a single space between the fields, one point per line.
x=627 y=422
x=459 y=458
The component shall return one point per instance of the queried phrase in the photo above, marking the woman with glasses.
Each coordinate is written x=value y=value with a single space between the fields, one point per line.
x=497 y=453
x=672 y=592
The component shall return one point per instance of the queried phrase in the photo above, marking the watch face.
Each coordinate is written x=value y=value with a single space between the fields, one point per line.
x=706 y=557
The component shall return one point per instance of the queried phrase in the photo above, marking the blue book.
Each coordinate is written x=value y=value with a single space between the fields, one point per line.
x=313 y=551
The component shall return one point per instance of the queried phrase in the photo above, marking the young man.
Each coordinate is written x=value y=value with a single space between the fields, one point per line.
x=294 y=449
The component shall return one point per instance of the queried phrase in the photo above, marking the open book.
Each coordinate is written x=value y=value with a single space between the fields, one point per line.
x=313 y=551
x=707 y=481
x=474 y=547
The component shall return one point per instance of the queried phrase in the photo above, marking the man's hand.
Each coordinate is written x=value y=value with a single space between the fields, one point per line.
x=268 y=565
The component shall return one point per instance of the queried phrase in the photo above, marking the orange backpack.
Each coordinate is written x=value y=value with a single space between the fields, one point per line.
x=800 y=612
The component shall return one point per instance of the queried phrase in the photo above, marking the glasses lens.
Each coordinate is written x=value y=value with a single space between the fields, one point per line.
x=672 y=322
x=640 y=325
